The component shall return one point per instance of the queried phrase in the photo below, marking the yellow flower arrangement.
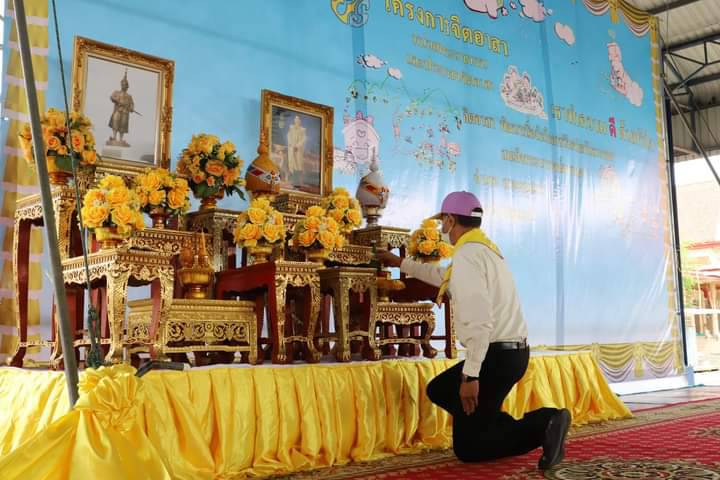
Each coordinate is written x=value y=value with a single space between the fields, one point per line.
x=344 y=209
x=112 y=204
x=79 y=144
x=259 y=224
x=425 y=244
x=158 y=188
x=318 y=231
x=212 y=167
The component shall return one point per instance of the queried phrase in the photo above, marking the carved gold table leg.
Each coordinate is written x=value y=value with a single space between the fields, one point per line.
x=310 y=319
x=277 y=308
x=371 y=350
x=341 y=309
x=117 y=283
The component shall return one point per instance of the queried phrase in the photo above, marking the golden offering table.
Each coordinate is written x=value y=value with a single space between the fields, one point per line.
x=382 y=237
x=29 y=213
x=113 y=271
x=354 y=299
x=194 y=325
x=404 y=315
x=279 y=286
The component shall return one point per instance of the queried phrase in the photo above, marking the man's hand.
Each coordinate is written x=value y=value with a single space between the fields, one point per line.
x=389 y=259
x=469 y=392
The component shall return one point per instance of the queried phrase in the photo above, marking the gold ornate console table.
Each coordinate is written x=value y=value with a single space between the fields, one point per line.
x=117 y=269
x=29 y=213
x=197 y=325
x=342 y=283
x=406 y=315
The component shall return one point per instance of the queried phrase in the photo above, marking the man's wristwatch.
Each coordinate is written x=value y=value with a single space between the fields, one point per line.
x=467 y=379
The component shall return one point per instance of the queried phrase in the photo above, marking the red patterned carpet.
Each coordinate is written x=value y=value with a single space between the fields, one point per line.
x=679 y=442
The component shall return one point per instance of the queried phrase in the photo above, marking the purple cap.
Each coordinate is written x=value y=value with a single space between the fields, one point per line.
x=460 y=203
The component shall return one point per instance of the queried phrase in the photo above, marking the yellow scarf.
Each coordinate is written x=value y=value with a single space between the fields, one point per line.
x=471 y=236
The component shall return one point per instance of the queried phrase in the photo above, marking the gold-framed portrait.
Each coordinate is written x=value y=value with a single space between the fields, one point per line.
x=128 y=97
x=300 y=140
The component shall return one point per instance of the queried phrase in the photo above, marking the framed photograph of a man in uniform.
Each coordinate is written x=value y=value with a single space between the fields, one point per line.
x=300 y=138
x=128 y=97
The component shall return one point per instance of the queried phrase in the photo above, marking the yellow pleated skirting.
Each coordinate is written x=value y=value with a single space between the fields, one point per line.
x=223 y=423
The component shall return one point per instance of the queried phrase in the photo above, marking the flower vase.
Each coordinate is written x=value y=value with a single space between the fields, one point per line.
x=210 y=202
x=108 y=237
x=56 y=175
x=159 y=217
x=317 y=255
x=261 y=253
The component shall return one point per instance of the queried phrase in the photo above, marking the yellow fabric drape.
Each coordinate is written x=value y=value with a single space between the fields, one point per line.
x=232 y=422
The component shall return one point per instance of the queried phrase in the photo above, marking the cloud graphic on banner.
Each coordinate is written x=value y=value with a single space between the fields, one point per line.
x=491 y=7
x=619 y=78
x=395 y=73
x=534 y=9
x=370 y=61
x=565 y=33
x=519 y=94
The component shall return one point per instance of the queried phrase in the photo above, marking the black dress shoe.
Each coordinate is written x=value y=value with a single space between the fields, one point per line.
x=554 y=443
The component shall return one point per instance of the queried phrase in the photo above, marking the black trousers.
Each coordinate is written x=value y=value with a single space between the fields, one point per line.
x=488 y=433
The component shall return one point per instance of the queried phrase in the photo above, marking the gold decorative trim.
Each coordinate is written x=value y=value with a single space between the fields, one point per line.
x=392 y=237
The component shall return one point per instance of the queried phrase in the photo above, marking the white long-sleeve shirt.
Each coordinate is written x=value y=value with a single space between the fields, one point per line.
x=484 y=299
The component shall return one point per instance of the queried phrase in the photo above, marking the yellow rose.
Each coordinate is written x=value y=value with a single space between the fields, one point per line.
x=123 y=215
x=89 y=157
x=445 y=250
x=339 y=241
x=312 y=223
x=431 y=234
x=53 y=142
x=278 y=218
x=426 y=247
x=230 y=176
x=315 y=211
x=181 y=184
x=210 y=181
x=429 y=223
x=257 y=215
x=157 y=197
x=341 y=202
x=142 y=198
x=215 y=168
x=78 y=141
x=250 y=232
x=139 y=221
x=119 y=195
x=261 y=202
x=272 y=232
x=355 y=217
x=62 y=150
x=228 y=147
x=307 y=238
x=176 y=198
x=342 y=192
x=198 y=178
x=95 y=216
x=94 y=198
x=111 y=181
x=151 y=181
x=337 y=215
x=327 y=239
x=332 y=225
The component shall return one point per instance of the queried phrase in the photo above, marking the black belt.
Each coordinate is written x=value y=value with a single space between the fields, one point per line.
x=522 y=345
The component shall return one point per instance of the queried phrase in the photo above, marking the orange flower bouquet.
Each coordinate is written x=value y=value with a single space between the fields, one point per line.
x=112 y=210
x=317 y=234
x=61 y=147
x=344 y=209
x=259 y=229
x=212 y=169
x=425 y=244
x=162 y=193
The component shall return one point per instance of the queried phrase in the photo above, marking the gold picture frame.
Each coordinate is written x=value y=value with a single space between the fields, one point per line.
x=147 y=133
x=314 y=121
